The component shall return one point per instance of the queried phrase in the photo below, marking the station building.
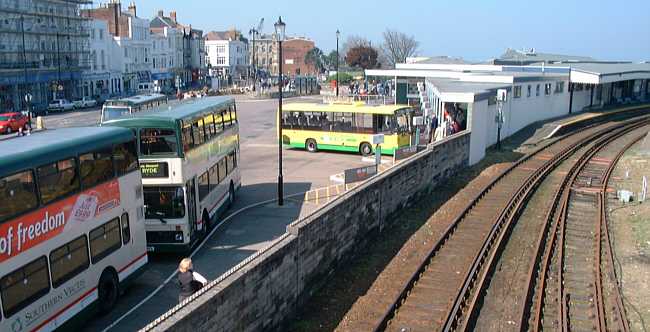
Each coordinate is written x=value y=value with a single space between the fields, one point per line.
x=536 y=91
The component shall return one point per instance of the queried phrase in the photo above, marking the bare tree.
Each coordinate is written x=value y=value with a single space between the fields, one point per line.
x=398 y=46
x=354 y=41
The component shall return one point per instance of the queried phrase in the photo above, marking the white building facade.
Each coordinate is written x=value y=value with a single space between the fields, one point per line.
x=466 y=93
x=136 y=54
x=166 y=58
x=227 y=56
x=103 y=78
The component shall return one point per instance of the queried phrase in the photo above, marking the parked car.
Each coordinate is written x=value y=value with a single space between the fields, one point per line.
x=84 y=102
x=10 y=122
x=60 y=105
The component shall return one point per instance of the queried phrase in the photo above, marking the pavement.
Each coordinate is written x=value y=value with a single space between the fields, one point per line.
x=311 y=180
x=251 y=223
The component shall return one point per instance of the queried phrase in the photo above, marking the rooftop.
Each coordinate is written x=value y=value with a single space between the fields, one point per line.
x=55 y=144
x=512 y=56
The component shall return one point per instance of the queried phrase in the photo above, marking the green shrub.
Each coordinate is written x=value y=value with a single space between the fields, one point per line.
x=344 y=78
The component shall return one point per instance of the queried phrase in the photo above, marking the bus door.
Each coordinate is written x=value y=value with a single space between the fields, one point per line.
x=191 y=208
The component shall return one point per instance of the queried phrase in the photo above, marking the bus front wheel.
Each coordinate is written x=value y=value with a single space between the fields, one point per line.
x=311 y=145
x=108 y=291
x=365 y=149
x=231 y=194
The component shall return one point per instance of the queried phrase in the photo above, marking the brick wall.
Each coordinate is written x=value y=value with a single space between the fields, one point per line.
x=263 y=292
x=118 y=25
x=294 y=50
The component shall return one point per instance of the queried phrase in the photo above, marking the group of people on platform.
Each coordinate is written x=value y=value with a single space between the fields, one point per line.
x=372 y=88
x=454 y=120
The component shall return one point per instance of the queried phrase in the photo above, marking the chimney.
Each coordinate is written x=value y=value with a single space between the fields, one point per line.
x=172 y=15
x=132 y=10
x=161 y=13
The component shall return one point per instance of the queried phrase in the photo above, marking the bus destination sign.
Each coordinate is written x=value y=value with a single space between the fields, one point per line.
x=154 y=170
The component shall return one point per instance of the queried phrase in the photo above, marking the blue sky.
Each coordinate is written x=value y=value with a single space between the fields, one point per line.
x=475 y=30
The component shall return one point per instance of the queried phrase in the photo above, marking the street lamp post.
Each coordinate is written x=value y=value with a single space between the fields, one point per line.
x=279 y=31
x=338 y=34
x=253 y=32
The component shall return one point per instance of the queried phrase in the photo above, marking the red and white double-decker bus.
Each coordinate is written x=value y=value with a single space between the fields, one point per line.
x=71 y=225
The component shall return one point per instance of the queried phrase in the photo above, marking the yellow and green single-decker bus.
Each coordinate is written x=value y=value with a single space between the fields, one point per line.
x=346 y=127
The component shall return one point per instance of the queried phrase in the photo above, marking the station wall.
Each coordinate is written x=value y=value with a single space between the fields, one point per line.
x=266 y=290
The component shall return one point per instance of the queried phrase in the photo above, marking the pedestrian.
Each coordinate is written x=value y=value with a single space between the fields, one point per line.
x=189 y=281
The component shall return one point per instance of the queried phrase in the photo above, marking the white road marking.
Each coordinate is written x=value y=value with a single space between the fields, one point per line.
x=161 y=286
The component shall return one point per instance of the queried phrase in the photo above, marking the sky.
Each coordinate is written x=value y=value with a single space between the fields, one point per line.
x=475 y=30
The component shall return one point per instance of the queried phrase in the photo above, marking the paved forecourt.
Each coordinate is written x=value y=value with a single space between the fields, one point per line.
x=256 y=221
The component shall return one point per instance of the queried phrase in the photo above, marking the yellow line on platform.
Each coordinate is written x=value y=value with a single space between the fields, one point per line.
x=316 y=196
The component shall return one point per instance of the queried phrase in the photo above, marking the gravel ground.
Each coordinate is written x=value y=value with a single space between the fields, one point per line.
x=399 y=246
x=391 y=254
x=630 y=228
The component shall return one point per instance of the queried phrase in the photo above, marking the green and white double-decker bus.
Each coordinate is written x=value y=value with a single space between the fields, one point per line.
x=188 y=157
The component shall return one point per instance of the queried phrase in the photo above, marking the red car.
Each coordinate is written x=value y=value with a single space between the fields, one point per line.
x=11 y=122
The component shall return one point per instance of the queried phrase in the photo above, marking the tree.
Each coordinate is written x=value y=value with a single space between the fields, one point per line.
x=329 y=61
x=398 y=46
x=315 y=58
x=354 y=41
x=362 y=56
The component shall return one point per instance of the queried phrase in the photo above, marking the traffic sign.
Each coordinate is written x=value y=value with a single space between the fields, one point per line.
x=377 y=139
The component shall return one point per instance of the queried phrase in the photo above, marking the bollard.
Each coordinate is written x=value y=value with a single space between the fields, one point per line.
x=39 y=123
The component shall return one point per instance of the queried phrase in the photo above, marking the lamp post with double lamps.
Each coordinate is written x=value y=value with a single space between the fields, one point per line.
x=338 y=34
x=279 y=32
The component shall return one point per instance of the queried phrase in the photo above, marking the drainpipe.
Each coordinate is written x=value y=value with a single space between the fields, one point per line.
x=570 y=97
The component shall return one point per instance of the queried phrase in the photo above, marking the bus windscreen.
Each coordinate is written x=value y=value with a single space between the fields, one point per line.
x=158 y=142
x=112 y=113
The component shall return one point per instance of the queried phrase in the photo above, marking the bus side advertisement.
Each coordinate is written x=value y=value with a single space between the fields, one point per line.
x=25 y=232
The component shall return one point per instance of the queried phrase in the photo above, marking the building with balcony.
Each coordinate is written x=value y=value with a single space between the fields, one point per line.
x=44 y=47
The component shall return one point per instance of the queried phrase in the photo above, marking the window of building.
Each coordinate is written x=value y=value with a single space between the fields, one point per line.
x=104 y=240
x=517 y=91
x=23 y=286
x=101 y=34
x=537 y=90
x=529 y=90
x=559 y=87
x=69 y=260
x=547 y=89
x=17 y=194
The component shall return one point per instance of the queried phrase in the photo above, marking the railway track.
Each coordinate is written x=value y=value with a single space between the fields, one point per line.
x=444 y=292
x=568 y=267
x=443 y=289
